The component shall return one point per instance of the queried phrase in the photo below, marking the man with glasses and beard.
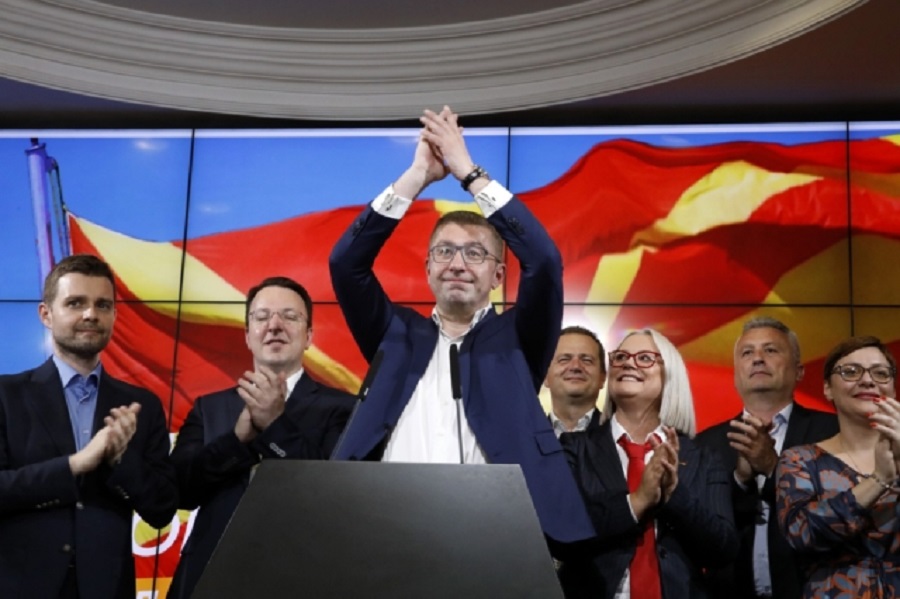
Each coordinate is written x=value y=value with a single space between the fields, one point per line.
x=276 y=411
x=80 y=451
x=410 y=413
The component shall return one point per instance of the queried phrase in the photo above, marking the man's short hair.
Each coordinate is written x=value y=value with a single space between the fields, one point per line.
x=287 y=283
x=465 y=218
x=84 y=264
x=578 y=330
x=845 y=348
x=766 y=322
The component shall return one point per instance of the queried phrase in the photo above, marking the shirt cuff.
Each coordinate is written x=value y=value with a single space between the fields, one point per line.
x=492 y=198
x=631 y=509
x=390 y=204
x=740 y=485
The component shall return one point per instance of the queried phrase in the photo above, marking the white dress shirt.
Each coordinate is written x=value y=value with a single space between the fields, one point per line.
x=623 y=591
x=427 y=430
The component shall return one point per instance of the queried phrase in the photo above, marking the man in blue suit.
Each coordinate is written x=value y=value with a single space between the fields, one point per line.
x=410 y=414
x=276 y=411
x=79 y=452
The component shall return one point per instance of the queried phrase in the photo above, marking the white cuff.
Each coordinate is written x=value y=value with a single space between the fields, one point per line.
x=390 y=204
x=492 y=198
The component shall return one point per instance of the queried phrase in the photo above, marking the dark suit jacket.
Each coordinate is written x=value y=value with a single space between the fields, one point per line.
x=694 y=528
x=502 y=361
x=214 y=467
x=804 y=426
x=47 y=514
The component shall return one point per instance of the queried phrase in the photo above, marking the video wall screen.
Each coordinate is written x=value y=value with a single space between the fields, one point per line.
x=691 y=230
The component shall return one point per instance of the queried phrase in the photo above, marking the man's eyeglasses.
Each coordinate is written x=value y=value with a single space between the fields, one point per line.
x=854 y=372
x=642 y=359
x=471 y=253
x=264 y=315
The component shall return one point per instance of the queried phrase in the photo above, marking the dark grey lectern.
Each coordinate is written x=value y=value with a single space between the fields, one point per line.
x=367 y=530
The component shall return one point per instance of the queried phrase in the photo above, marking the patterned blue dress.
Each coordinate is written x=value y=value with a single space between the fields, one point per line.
x=850 y=552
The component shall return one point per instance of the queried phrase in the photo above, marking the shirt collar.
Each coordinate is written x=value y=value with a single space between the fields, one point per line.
x=291 y=382
x=479 y=315
x=580 y=425
x=618 y=430
x=780 y=419
x=67 y=373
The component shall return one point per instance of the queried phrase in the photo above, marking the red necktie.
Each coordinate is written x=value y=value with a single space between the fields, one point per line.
x=644 y=565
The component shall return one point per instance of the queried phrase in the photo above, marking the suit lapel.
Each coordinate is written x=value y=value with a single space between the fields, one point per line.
x=688 y=461
x=48 y=402
x=424 y=341
x=481 y=330
x=797 y=427
x=303 y=395
x=603 y=457
x=109 y=396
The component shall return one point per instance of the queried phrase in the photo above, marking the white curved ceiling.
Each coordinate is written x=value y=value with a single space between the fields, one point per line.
x=367 y=60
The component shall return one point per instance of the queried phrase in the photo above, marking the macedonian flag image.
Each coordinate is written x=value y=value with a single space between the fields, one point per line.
x=691 y=241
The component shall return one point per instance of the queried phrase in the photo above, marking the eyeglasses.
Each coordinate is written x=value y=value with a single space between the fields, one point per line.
x=471 y=253
x=642 y=359
x=854 y=372
x=264 y=315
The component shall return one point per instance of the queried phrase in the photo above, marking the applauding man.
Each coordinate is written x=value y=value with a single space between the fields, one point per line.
x=767 y=368
x=79 y=452
x=275 y=411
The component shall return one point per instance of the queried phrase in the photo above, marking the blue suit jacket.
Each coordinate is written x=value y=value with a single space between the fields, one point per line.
x=46 y=513
x=694 y=529
x=214 y=467
x=503 y=360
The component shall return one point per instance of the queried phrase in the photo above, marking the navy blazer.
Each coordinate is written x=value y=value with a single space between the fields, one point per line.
x=503 y=360
x=214 y=467
x=47 y=515
x=694 y=528
x=736 y=581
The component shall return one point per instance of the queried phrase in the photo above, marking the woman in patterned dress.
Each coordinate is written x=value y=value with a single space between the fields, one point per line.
x=837 y=500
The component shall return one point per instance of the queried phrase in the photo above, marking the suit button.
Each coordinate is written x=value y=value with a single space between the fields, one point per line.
x=79 y=505
x=67 y=548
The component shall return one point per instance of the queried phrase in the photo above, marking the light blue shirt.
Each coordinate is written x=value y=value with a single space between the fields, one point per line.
x=81 y=400
x=762 y=576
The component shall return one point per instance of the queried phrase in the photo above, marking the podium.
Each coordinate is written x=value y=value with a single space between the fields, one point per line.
x=371 y=530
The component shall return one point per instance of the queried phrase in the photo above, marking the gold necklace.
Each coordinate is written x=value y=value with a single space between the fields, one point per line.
x=852 y=461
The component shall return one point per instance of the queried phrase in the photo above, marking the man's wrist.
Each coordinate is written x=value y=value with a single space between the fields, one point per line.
x=475 y=173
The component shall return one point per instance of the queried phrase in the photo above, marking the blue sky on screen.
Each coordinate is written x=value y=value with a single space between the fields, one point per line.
x=138 y=182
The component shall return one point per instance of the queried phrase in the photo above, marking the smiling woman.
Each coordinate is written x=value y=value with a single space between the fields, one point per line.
x=837 y=500
x=646 y=484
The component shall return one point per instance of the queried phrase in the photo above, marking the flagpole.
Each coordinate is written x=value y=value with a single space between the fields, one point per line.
x=49 y=212
x=40 y=204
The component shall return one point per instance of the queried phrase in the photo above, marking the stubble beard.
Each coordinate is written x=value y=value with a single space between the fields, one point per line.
x=85 y=349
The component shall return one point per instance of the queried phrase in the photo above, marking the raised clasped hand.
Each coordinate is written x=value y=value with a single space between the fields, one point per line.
x=750 y=437
x=121 y=424
x=442 y=132
x=668 y=456
x=886 y=420
x=264 y=393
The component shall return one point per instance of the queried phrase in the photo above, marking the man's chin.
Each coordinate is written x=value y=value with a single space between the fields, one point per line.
x=277 y=361
x=85 y=350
